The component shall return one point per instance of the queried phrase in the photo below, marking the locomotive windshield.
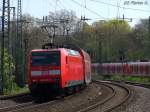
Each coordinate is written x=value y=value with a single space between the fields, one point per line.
x=45 y=58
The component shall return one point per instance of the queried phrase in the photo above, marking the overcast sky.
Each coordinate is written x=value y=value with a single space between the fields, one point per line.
x=93 y=9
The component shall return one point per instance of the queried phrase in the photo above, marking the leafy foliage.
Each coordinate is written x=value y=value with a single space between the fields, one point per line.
x=132 y=79
x=115 y=40
x=6 y=75
x=9 y=84
x=106 y=41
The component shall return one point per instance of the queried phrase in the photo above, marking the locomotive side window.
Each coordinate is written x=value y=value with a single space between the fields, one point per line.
x=45 y=58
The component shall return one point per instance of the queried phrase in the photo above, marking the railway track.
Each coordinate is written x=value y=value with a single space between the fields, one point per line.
x=13 y=102
x=13 y=96
x=102 y=104
x=120 y=95
x=45 y=106
x=33 y=106
x=29 y=105
x=132 y=83
x=15 y=107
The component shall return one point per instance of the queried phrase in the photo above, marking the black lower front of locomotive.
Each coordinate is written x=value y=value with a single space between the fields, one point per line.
x=45 y=90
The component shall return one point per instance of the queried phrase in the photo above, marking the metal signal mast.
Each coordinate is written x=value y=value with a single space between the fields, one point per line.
x=5 y=38
x=19 y=48
x=6 y=45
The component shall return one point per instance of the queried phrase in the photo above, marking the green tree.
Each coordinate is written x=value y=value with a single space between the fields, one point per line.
x=6 y=76
x=114 y=37
x=139 y=41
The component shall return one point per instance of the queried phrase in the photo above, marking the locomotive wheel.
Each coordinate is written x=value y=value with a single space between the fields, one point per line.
x=76 y=89
x=69 y=91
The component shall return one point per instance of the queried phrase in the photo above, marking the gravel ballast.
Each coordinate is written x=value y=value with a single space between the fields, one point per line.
x=140 y=101
x=15 y=101
x=92 y=93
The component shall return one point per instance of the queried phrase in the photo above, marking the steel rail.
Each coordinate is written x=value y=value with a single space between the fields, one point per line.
x=41 y=104
x=145 y=85
x=29 y=106
x=100 y=103
x=11 y=108
x=129 y=94
x=32 y=104
x=22 y=96
x=7 y=97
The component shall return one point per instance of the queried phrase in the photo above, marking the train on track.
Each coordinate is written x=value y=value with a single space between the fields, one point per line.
x=58 y=69
x=125 y=68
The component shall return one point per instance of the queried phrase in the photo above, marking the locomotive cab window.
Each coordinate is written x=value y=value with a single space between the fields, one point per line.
x=73 y=52
x=45 y=58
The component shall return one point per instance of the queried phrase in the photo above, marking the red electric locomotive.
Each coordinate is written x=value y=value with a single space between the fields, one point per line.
x=55 y=70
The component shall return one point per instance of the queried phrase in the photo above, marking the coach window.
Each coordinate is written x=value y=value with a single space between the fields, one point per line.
x=108 y=68
x=141 y=69
x=146 y=69
x=132 y=69
x=137 y=69
x=118 y=68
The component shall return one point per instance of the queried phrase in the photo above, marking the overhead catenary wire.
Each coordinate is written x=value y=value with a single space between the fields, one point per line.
x=120 y=6
x=27 y=5
x=12 y=3
x=62 y=4
x=118 y=9
x=108 y=8
x=44 y=7
x=51 y=4
x=84 y=8
x=56 y=4
x=88 y=9
x=115 y=18
x=0 y=7
x=85 y=3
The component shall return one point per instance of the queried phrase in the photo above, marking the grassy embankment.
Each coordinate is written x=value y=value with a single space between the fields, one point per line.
x=15 y=90
x=136 y=79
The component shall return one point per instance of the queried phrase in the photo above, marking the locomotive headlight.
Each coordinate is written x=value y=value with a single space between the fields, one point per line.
x=54 y=72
